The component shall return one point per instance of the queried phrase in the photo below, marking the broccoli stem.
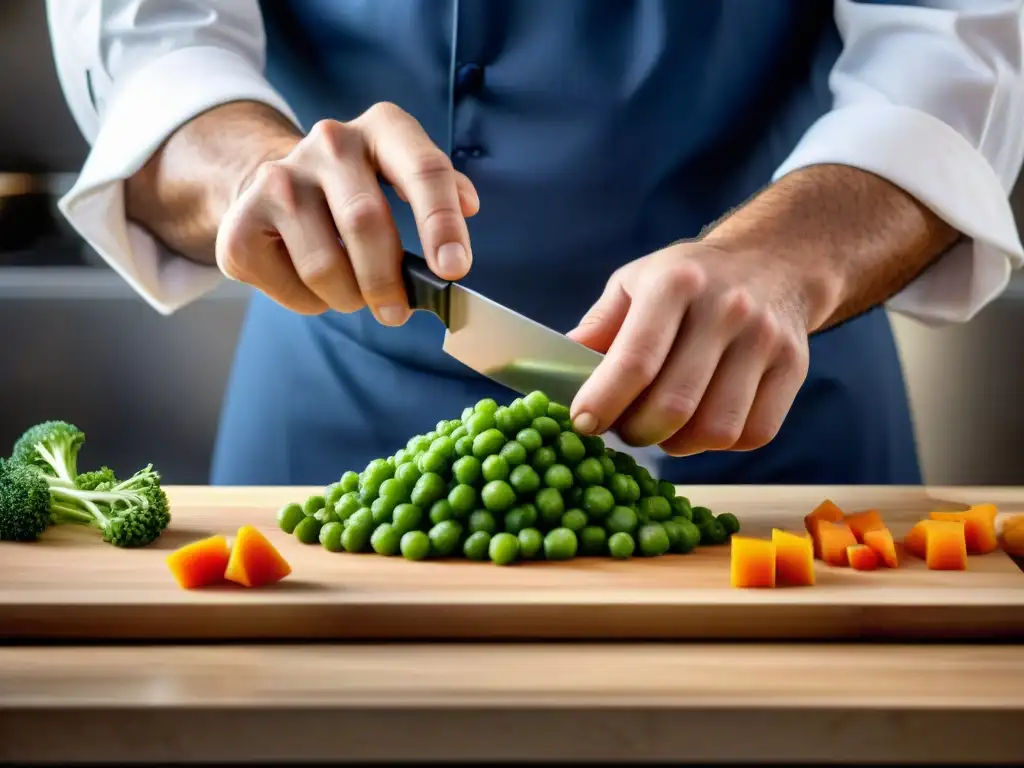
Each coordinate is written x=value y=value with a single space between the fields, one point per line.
x=70 y=514
x=56 y=460
x=86 y=499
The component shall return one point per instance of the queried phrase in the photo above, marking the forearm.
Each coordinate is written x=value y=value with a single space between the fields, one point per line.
x=183 y=191
x=851 y=239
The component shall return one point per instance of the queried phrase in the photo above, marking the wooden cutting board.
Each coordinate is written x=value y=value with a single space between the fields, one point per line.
x=72 y=586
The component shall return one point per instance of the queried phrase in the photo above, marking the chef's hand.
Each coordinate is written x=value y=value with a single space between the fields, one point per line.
x=281 y=233
x=706 y=348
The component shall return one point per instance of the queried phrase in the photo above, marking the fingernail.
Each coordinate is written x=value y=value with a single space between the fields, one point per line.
x=393 y=314
x=585 y=423
x=451 y=258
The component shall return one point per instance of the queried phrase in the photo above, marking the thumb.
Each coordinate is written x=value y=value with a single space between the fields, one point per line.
x=600 y=325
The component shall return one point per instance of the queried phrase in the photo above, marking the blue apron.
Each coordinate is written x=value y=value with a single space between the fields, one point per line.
x=595 y=133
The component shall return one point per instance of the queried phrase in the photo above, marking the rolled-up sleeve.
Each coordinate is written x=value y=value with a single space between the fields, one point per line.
x=132 y=72
x=930 y=96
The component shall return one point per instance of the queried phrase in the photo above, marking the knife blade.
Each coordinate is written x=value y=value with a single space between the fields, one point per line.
x=498 y=342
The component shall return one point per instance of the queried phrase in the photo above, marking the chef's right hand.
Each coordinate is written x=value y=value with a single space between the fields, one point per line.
x=281 y=233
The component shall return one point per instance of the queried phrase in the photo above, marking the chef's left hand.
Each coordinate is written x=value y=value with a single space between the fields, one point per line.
x=705 y=349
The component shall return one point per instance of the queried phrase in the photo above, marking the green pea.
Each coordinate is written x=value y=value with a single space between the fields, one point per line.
x=666 y=489
x=558 y=476
x=713 y=533
x=520 y=518
x=621 y=546
x=624 y=463
x=347 y=505
x=462 y=499
x=467 y=470
x=440 y=511
x=700 y=515
x=503 y=549
x=598 y=501
x=417 y=444
x=349 y=481
x=524 y=480
x=355 y=538
x=487 y=443
x=530 y=439
x=621 y=520
x=402 y=455
x=624 y=488
x=313 y=504
x=513 y=453
x=495 y=468
x=648 y=485
x=479 y=423
x=656 y=508
x=332 y=493
x=558 y=412
x=548 y=429
x=730 y=522
x=595 y=447
x=443 y=446
x=543 y=458
x=415 y=545
x=431 y=462
x=589 y=472
x=464 y=446
x=520 y=413
x=408 y=474
x=607 y=466
x=537 y=403
x=575 y=520
x=382 y=510
x=477 y=546
x=653 y=540
x=573 y=497
x=467 y=413
x=330 y=536
x=681 y=507
x=570 y=448
x=505 y=421
x=308 y=530
x=394 y=490
x=457 y=434
x=430 y=437
x=482 y=520
x=498 y=496
x=689 y=536
x=362 y=517
x=289 y=516
x=406 y=517
x=674 y=534
x=326 y=515
x=560 y=544
x=593 y=541
x=444 y=537
x=487 y=405
x=530 y=543
x=428 y=489
x=444 y=427
x=368 y=492
x=385 y=540
x=550 y=506
x=378 y=470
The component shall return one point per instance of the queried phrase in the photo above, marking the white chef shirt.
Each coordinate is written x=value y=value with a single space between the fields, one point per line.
x=930 y=98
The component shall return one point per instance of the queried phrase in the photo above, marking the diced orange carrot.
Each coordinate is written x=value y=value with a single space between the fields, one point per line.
x=1013 y=539
x=794 y=558
x=826 y=511
x=880 y=540
x=862 y=557
x=979 y=527
x=752 y=562
x=254 y=560
x=1013 y=521
x=834 y=538
x=200 y=563
x=941 y=543
x=862 y=522
x=916 y=539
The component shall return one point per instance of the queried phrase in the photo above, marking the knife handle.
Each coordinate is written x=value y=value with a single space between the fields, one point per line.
x=425 y=290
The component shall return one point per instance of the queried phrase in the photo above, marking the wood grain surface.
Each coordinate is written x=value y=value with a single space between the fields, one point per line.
x=72 y=586
x=936 y=704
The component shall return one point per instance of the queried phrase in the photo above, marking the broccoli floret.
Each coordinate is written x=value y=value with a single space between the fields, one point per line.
x=24 y=502
x=52 y=447
x=131 y=513
x=100 y=479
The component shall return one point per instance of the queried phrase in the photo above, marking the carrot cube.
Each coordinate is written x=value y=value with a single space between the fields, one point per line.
x=200 y=563
x=979 y=527
x=941 y=543
x=862 y=557
x=826 y=511
x=794 y=558
x=862 y=522
x=254 y=560
x=880 y=540
x=752 y=562
x=834 y=538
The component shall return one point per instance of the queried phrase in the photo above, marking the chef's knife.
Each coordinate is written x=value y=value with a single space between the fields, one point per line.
x=497 y=342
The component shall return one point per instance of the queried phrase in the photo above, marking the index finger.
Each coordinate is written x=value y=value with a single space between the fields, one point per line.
x=403 y=153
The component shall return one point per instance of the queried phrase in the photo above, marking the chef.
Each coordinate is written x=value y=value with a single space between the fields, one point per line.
x=722 y=196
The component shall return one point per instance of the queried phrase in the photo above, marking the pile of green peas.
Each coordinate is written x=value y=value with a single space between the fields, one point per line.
x=505 y=483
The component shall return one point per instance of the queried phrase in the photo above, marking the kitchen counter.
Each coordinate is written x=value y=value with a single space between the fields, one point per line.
x=624 y=703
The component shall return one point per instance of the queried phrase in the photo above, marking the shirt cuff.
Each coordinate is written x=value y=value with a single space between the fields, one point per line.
x=143 y=112
x=939 y=167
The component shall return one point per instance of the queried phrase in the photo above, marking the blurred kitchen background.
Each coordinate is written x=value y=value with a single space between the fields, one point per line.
x=79 y=345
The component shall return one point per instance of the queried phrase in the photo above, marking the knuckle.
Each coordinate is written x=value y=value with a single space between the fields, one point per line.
x=736 y=305
x=379 y=288
x=793 y=354
x=636 y=363
x=362 y=213
x=678 y=404
x=721 y=431
x=274 y=181
x=431 y=165
x=758 y=435
x=685 y=277
x=385 y=111
x=765 y=330
x=333 y=138
x=317 y=269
